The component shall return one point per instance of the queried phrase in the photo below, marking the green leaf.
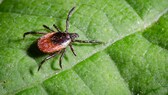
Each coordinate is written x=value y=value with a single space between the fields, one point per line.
x=133 y=60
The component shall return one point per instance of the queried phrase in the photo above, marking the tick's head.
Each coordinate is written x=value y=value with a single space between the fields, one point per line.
x=73 y=35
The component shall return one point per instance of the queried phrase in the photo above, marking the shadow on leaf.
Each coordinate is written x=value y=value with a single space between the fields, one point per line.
x=34 y=52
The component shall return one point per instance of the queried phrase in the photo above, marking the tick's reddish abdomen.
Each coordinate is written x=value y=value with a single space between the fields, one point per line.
x=53 y=42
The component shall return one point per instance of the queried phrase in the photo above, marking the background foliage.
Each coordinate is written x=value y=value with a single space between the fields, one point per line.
x=133 y=60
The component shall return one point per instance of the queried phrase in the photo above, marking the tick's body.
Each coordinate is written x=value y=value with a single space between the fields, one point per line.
x=54 y=43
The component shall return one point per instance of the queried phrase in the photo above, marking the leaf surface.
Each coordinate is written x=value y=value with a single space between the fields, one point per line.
x=133 y=60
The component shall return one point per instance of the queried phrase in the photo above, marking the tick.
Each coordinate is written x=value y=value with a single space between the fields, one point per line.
x=54 y=43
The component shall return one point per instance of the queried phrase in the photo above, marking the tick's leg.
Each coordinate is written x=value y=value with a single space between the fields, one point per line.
x=87 y=41
x=47 y=58
x=45 y=26
x=67 y=20
x=62 y=55
x=72 y=49
x=56 y=28
x=32 y=32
